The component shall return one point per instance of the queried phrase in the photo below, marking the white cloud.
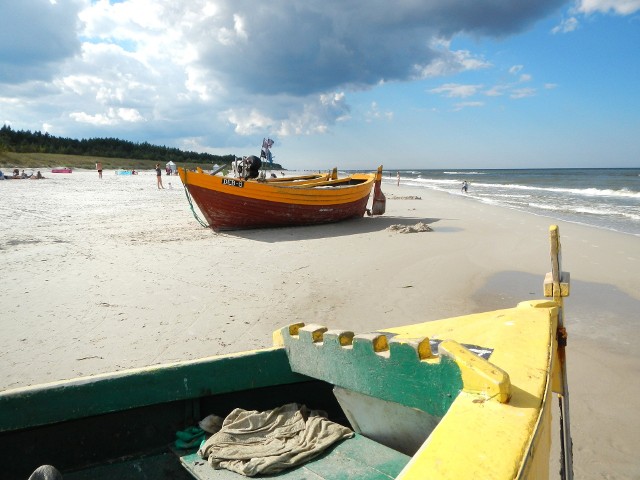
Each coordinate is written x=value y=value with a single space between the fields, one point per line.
x=374 y=113
x=36 y=36
x=522 y=93
x=456 y=90
x=228 y=37
x=449 y=62
x=112 y=116
x=247 y=122
x=461 y=105
x=216 y=70
x=316 y=116
x=566 y=26
x=496 y=91
x=129 y=114
x=620 y=7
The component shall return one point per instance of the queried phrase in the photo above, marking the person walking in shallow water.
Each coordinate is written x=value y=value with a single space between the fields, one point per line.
x=159 y=176
x=465 y=186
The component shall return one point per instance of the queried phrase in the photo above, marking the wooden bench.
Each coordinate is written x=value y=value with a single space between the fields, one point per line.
x=354 y=458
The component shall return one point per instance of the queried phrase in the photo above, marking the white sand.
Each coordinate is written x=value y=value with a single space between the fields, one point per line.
x=102 y=275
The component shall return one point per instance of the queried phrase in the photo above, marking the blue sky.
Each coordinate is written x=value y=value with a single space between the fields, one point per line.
x=411 y=84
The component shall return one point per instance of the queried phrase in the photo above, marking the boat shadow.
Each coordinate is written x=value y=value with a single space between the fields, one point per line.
x=331 y=230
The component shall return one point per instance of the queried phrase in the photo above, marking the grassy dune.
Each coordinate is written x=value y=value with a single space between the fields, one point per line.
x=32 y=161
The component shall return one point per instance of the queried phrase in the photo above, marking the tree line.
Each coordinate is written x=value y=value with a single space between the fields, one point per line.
x=21 y=141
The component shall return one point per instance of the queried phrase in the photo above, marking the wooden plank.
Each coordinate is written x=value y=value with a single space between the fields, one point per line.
x=164 y=465
x=84 y=397
x=565 y=284
x=382 y=462
x=401 y=371
x=566 y=454
x=357 y=457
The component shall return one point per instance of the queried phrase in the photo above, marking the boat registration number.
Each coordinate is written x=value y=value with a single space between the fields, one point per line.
x=232 y=182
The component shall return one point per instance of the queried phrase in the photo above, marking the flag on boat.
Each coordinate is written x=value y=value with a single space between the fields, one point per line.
x=267 y=143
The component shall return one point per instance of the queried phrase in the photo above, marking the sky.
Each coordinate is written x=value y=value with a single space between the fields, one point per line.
x=409 y=84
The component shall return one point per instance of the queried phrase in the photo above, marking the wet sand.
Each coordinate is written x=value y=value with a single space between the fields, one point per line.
x=103 y=275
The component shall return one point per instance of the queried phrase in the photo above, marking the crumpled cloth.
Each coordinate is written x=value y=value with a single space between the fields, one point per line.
x=252 y=442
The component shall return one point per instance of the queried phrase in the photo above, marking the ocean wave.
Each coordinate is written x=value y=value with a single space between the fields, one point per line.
x=507 y=195
x=591 y=201
x=544 y=206
x=596 y=192
x=581 y=209
x=434 y=181
x=587 y=192
x=463 y=173
x=607 y=212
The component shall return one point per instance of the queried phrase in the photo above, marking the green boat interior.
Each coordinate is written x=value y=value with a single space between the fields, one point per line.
x=123 y=425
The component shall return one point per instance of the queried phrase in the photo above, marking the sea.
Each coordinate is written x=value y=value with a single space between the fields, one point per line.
x=606 y=198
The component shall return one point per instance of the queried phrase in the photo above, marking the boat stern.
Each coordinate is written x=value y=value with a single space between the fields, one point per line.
x=379 y=204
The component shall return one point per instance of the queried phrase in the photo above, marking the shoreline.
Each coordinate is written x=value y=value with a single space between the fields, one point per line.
x=548 y=216
x=106 y=275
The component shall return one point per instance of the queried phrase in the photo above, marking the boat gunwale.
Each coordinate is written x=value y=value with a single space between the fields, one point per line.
x=281 y=194
x=64 y=400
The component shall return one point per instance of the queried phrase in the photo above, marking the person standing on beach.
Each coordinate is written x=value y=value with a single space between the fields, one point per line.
x=398 y=178
x=159 y=176
x=99 y=168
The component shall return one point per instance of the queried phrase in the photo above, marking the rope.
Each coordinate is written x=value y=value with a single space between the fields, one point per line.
x=186 y=192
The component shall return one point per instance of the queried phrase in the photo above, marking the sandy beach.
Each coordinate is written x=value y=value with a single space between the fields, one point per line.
x=104 y=275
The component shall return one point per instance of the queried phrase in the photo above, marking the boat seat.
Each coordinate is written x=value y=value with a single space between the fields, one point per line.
x=357 y=457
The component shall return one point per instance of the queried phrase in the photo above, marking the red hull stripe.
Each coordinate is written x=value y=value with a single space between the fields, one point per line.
x=230 y=212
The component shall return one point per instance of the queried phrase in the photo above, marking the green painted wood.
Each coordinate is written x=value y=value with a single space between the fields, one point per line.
x=397 y=375
x=105 y=439
x=160 y=466
x=357 y=457
x=50 y=403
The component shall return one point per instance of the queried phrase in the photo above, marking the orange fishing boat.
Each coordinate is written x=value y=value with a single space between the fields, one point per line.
x=237 y=202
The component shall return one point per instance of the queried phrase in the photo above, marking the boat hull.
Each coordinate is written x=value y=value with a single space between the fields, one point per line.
x=462 y=397
x=234 y=204
x=473 y=434
x=225 y=212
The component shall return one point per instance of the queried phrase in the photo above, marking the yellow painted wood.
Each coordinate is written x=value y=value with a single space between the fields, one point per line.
x=288 y=193
x=560 y=373
x=565 y=281
x=485 y=439
x=556 y=379
x=478 y=375
x=536 y=465
x=479 y=437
